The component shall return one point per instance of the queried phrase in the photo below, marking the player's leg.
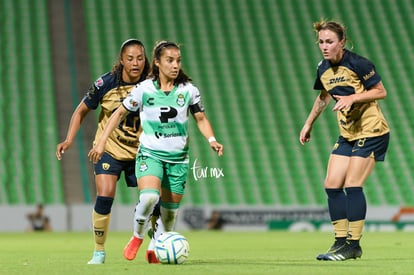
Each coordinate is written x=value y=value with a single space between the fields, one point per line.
x=336 y=197
x=172 y=192
x=173 y=187
x=334 y=181
x=105 y=180
x=156 y=224
x=359 y=170
x=155 y=231
x=365 y=153
x=149 y=173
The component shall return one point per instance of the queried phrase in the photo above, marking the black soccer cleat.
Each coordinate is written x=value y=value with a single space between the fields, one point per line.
x=336 y=245
x=346 y=252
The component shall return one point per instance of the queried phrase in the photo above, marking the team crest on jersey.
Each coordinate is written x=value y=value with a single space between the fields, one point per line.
x=143 y=166
x=106 y=166
x=99 y=82
x=180 y=100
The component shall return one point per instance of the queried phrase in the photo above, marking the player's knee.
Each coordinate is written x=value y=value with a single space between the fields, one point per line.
x=103 y=205
x=147 y=201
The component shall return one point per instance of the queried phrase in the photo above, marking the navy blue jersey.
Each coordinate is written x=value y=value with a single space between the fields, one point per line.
x=123 y=142
x=354 y=74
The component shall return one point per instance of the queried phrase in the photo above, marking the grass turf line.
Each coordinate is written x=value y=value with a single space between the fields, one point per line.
x=235 y=253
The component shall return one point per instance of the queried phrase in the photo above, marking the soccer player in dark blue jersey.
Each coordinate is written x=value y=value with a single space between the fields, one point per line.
x=354 y=84
x=108 y=91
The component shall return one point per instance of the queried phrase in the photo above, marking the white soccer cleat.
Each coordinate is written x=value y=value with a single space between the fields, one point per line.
x=98 y=257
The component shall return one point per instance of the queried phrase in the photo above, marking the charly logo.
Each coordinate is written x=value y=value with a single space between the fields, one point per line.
x=202 y=172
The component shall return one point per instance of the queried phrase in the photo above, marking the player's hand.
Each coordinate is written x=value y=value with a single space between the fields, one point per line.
x=343 y=103
x=305 y=134
x=217 y=147
x=61 y=148
x=95 y=154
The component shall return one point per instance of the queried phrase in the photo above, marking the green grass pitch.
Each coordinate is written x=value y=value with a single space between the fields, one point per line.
x=233 y=253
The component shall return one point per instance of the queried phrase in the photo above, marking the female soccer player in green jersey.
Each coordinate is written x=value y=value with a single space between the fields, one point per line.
x=164 y=102
x=353 y=82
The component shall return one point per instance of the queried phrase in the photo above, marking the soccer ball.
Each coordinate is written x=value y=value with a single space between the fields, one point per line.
x=171 y=248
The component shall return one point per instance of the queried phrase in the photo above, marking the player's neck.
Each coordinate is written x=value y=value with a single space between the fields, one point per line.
x=166 y=84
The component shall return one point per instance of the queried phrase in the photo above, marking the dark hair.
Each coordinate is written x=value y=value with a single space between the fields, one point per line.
x=118 y=67
x=156 y=55
x=336 y=27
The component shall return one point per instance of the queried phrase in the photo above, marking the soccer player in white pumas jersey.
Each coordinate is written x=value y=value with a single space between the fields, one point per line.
x=164 y=102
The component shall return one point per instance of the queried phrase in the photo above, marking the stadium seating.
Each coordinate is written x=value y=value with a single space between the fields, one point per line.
x=254 y=62
x=29 y=172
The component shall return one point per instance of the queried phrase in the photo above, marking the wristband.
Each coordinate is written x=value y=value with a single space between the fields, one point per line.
x=211 y=139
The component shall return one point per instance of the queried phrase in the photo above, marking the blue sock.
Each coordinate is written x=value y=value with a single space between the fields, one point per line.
x=356 y=205
x=336 y=203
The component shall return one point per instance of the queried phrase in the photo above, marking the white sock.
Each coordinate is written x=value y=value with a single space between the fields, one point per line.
x=168 y=217
x=159 y=228
x=143 y=210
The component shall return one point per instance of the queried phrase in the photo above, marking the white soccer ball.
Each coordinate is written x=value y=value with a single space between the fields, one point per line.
x=171 y=248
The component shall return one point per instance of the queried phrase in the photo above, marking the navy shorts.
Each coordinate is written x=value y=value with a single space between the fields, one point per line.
x=108 y=165
x=374 y=147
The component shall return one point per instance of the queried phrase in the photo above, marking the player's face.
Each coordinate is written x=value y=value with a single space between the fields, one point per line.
x=133 y=59
x=331 y=47
x=169 y=64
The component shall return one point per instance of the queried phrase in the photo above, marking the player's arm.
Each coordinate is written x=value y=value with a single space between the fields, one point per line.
x=375 y=92
x=318 y=107
x=206 y=130
x=114 y=120
x=74 y=125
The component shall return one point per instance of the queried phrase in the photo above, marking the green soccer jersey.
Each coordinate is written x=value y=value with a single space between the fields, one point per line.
x=164 y=119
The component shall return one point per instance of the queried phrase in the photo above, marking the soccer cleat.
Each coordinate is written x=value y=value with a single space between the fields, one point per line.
x=98 y=257
x=151 y=258
x=337 y=245
x=346 y=252
x=131 y=249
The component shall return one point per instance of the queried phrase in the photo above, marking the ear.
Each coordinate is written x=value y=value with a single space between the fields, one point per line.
x=342 y=43
x=156 y=62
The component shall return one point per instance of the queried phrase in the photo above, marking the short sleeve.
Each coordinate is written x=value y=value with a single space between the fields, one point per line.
x=133 y=100
x=367 y=73
x=94 y=94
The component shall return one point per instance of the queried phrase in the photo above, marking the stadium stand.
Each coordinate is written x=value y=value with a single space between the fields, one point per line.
x=254 y=62
x=30 y=173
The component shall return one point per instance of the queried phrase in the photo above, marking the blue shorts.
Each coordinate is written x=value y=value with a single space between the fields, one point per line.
x=374 y=147
x=108 y=165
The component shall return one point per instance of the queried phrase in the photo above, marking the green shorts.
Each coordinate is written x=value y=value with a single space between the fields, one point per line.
x=173 y=176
